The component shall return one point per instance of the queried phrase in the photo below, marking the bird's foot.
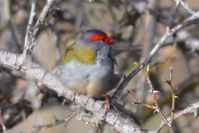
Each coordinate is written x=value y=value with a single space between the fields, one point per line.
x=54 y=71
x=106 y=104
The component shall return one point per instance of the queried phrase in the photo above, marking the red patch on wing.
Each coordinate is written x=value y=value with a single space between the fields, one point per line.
x=100 y=37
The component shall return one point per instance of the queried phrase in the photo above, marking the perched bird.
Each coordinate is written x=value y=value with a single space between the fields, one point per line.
x=88 y=65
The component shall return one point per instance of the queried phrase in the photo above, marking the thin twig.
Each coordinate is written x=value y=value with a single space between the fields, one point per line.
x=186 y=6
x=144 y=104
x=2 y=125
x=160 y=43
x=32 y=31
x=28 y=37
x=189 y=110
x=42 y=16
x=149 y=36
x=155 y=99
x=172 y=91
x=56 y=123
x=135 y=101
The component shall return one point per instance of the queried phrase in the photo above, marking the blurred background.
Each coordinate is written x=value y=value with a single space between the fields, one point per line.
x=136 y=25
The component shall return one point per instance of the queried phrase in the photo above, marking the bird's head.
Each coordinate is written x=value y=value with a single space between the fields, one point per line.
x=88 y=44
x=93 y=36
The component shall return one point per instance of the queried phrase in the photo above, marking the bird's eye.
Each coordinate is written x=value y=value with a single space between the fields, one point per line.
x=104 y=39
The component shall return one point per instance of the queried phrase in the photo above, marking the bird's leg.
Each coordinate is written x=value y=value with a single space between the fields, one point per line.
x=40 y=84
x=106 y=103
x=54 y=71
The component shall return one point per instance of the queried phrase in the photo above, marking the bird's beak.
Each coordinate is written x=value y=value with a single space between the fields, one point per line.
x=110 y=41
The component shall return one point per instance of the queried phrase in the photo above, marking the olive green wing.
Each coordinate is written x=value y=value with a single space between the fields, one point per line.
x=84 y=55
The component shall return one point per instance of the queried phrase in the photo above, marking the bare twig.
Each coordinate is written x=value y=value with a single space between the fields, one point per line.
x=160 y=43
x=144 y=104
x=2 y=125
x=56 y=123
x=136 y=101
x=172 y=91
x=186 y=6
x=32 y=30
x=28 y=37
x=42 y=16
x=88 y=117
x=150 y=30
x=153 y=92
x=189 y=110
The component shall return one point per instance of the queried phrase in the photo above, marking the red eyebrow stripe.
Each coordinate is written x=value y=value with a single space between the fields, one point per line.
x=97 y=37
x=104 y=38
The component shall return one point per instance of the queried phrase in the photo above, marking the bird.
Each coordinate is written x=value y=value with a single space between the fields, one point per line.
x=87 y=66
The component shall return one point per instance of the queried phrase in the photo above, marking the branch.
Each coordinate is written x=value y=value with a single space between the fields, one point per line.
x=32 y=31
x=186 y=6
x=56 y=123
x=120 y=122
x=28 y=41
x=43 y=15
x=148 y=43
x=160 y=43
x=190 y=109
x=172 y=91
x=2 y=125
x=153 y=92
